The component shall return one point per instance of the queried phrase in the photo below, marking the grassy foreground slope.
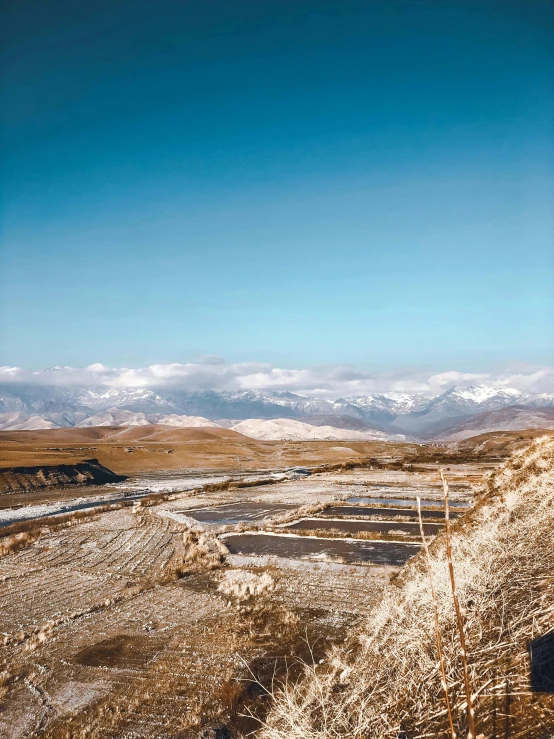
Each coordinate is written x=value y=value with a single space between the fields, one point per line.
x=385 y=682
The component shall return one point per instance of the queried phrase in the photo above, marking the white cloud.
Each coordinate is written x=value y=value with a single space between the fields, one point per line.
x=330 y=382
x=445 y=380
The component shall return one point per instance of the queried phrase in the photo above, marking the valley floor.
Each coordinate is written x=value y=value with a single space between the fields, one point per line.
x=156 y=621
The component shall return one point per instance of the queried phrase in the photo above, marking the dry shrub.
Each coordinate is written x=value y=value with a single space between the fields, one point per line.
x=151 y=500
x=202 y=551
x=370 y=463
x=40 y=636
x=323 y=533
x=257 y=483
x=302 y=512
x=15 y=542
x=216 y=487
x=230 y=694
x=392 y=535
x=5 y=680
x=386 y=682
x=242 y=584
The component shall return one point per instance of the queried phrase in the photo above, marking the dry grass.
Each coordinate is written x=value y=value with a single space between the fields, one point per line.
x=242 y=585
x=386 y=682
x=201 y=449
x=202 y=551
x=216 y=487
x=16 y=542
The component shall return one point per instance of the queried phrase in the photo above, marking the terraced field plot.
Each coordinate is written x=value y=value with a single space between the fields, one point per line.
x=82 y=567
x=408 y=502
x=362 y=511
x=401 y=528
x=232 y=513
x=348 y=551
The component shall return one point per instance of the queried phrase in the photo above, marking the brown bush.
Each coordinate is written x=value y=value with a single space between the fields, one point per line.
x=230 y=695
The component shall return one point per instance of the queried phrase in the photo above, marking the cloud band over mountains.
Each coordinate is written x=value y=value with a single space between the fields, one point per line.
x=214 y=373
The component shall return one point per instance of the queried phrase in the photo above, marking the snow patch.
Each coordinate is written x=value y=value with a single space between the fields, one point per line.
x=282 y=429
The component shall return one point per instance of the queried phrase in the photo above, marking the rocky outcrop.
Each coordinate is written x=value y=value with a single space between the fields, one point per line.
x=23 y=479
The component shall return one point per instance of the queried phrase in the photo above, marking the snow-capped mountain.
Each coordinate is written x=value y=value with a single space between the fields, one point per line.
x=458 y=403
x=512 y=418
x=18 y=421
x=138 y=400
x=40 y=399
x=395 y=413
x=183 y=421
x=119 y=417
x=388 y=406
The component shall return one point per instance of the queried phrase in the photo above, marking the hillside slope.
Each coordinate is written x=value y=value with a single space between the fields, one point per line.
x=513 y=418
x=385 y=683
x=285 y=428
x=89 y=472
x=19 y=421
x=150 y=432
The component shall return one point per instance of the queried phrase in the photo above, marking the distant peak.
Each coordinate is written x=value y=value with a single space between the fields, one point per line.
x=480 y=393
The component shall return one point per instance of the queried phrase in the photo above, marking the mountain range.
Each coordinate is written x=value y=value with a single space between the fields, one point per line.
x=33 y=406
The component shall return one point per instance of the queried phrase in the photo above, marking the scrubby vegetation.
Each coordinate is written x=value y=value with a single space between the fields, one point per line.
x=203 y=550
x=242 y=585
x=385 y=683
x=407 y=459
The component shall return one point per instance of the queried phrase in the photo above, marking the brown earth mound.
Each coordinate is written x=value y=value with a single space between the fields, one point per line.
x=22 y=479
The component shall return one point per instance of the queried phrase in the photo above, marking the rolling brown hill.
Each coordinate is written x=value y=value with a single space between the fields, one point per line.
x=138 y=449
x=116 y=433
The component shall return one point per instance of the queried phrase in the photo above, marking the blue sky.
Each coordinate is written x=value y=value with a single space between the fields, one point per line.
x=298 y=183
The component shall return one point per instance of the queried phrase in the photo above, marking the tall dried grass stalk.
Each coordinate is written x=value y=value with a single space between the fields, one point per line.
x=437 y=627
x=459 y=616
